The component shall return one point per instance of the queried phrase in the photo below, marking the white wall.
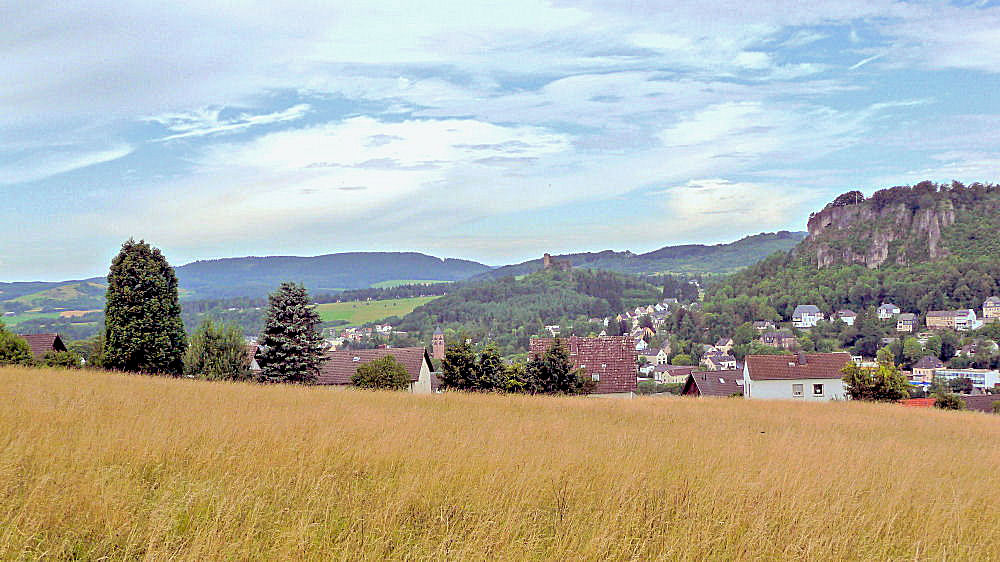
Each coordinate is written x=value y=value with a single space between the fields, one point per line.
x=833 y=389
x=423 y=384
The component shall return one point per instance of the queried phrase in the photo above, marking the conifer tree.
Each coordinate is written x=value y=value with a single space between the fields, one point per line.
x=291 y=346
x=143 y=327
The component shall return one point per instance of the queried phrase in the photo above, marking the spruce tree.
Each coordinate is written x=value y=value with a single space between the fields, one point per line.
x=291 y=346
x=143 y=327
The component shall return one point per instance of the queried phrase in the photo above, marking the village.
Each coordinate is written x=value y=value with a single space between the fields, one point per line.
x=622 y=365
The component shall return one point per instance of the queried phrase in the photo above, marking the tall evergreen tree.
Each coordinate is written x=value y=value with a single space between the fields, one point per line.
x=291 y=346
x=217 y=351
x=143 y=327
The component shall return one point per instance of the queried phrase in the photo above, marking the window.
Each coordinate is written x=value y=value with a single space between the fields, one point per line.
x=817 y=390
x=796 y=390
x=596 y=377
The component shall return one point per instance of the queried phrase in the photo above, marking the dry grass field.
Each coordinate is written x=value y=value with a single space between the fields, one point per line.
x=102 y=466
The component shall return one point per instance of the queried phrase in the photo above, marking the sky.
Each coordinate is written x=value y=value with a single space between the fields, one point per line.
x=492 y=131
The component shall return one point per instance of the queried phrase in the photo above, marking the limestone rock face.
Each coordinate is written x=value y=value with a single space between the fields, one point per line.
x=861 y=234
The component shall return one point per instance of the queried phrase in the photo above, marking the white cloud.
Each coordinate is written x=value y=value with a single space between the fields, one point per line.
x=207 y=121
x=41 y=166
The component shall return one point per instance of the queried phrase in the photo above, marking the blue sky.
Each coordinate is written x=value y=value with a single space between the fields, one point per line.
x=489 y=131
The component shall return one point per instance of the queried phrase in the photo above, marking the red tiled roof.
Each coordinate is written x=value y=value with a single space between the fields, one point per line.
x=41 y=344
x=714 y=383
x=611 y=357
x=339 y=366
x=918 y=403
x=799 y=366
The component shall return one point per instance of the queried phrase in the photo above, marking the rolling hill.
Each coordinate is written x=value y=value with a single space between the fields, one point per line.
x=689 y=258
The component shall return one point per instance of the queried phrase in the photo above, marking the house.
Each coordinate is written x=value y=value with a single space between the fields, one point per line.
x=906 y=322
x=981 y=402
x=981 y=378
x=806 y=316
x=781 y=340
x=650 y=355
x=640 y=344
x=991 y=309
x=715 y=383
x=961 y=320
x=251 y=349
x=804 y=376
x=608 y=361
x=672 y=374
x=663 y=355
x=724 y=345
x=846 y=316
x=719 y=361
x=887 y=310
x=337 y=367
x=763 y=325
x=42 y=344
x=923 y=370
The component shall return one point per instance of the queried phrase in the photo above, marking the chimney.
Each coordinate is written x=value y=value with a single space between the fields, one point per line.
x=802 y=358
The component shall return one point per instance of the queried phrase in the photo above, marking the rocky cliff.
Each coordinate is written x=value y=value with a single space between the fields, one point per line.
x=870 y=235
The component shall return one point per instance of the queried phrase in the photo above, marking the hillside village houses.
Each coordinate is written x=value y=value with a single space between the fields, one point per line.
x=991 y=309
x=780 y=340
x=906 y=322
x=961 y=320
x=982 y=379
x=886 y=311
x=806 y=316
x=846 y=316
x=718 y=361
x=923 y=370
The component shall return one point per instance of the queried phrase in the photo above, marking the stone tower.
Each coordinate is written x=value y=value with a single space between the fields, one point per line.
x=437 y=345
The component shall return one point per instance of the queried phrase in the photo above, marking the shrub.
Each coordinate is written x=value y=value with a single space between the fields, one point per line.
x=384 y=373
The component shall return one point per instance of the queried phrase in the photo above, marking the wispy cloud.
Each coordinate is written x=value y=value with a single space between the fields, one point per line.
x=44 y=165
x=865 y=61
x=208 y=122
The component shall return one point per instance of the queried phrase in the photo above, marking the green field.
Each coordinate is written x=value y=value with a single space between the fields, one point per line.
x=23 y=316
x=398 y=282
x=361 y=312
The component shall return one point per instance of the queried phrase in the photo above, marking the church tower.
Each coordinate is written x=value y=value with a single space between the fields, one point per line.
x=437 y=345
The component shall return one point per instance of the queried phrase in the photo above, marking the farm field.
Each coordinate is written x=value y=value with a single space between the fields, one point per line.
x=106 y=466
x=360 y=312
x=398 y=282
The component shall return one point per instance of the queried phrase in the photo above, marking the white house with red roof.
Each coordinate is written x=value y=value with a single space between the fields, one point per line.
x=803 y=376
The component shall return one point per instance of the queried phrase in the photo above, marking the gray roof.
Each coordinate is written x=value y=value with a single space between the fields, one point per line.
x=992 y=300
x=907 y=316
x=805 y=309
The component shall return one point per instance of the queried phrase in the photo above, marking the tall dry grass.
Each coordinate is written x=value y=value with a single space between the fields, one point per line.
x=110 y=466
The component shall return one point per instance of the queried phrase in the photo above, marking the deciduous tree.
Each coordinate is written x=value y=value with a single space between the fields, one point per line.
x=217 y=351
x=384 y=373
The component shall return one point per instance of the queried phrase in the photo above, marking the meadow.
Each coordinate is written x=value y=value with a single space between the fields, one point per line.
x=107 y=466
x=356 y=313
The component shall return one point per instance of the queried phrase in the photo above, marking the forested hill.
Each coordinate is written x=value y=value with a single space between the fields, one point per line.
x=509 y=311
x=257 y=276
x=925 y=247
x=690 y=258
